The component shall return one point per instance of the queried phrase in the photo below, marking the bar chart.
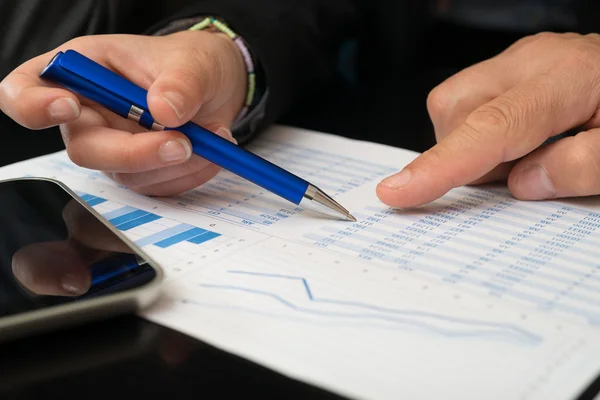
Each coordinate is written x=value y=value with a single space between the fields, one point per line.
x=127 y=218
x=172 y=244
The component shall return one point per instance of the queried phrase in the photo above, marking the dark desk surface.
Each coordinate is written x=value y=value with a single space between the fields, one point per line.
x=127 y=357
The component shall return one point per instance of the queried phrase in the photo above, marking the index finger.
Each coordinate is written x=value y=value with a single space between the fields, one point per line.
x=32 y=102
x=502 y=130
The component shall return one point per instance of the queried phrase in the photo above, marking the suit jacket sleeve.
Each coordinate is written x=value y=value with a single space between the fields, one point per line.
x=294 y=41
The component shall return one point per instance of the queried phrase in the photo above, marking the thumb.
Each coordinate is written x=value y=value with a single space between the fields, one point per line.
x=183 y=85
x=569 y=167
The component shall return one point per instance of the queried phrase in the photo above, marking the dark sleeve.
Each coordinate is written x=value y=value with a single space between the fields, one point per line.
x=294 y=41
x=588 y=13
x=31 y=27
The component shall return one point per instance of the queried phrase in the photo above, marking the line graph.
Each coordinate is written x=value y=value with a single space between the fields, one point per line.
x=440 y=324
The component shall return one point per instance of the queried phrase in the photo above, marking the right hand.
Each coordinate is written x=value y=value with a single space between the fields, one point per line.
x=189 y=75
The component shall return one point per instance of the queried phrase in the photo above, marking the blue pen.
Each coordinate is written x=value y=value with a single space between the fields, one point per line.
x=84 y=76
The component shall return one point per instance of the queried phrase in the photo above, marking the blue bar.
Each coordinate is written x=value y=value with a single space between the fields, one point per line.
x=95 y=201
x=118 y=212
x=87 y=197
x=204 y=237
x=179 y=237
x=157 y=237
x=128 y=217
x=138 y=221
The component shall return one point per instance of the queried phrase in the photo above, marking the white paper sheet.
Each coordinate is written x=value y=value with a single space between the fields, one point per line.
x=475 y=296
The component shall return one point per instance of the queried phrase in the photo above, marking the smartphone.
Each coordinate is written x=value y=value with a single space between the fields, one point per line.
x=62 y=263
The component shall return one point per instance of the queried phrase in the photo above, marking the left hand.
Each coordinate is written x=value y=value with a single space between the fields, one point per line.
x=491 y=119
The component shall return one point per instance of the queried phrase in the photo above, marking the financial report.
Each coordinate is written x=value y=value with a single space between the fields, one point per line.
x=475 y=295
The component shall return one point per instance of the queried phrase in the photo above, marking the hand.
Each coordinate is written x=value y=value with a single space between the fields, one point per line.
x=491 y=119
x=189 y=75
x=62 y=268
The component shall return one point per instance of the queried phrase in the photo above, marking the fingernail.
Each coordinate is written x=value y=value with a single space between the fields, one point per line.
x=397 y=181
x=226 y=134
x=536 y=183
x=175 y=150
x=74 y=284
x=63 y=109
x=175 y=101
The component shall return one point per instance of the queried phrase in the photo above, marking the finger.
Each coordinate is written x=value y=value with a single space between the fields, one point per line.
x=502 y=130
x=54 y=268
x=159 y=176
x=451 y=102
x=90 y=144
x=181 y=184
x=187 y=80
x=38 y=104
x=594 y=122
x=154 y=177
x=569 y=167
x=31 y=103
x=89 y=231
x=498 y=174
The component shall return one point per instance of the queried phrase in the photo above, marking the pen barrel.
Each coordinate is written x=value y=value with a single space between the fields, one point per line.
x=244 y=163
x=54 y=72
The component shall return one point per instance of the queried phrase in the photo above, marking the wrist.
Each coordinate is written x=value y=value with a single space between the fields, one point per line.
x=236 y=70
x=220 y=28
x=255 y=88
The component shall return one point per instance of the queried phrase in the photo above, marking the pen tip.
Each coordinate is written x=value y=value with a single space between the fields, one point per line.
x=351 y=218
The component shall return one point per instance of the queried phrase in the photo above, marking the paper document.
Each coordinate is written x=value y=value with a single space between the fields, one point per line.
x=474 y=296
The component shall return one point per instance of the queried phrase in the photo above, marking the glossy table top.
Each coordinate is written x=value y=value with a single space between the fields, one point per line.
x=119 y=357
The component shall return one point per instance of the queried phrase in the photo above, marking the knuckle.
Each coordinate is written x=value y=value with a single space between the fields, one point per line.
x=582 y=53
x=20 y=112
x=76 y=154
x=539 y=38
x=593 y=37
x=438 y=101
x=496 y=118
x=543 y=36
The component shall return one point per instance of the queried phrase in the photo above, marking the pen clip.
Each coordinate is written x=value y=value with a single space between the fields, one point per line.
x=99 y=75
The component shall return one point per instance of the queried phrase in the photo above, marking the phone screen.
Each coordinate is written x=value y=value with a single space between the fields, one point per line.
x=54 y=250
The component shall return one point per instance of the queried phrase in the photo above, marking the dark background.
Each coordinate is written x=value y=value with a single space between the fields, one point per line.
x=388 y=108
